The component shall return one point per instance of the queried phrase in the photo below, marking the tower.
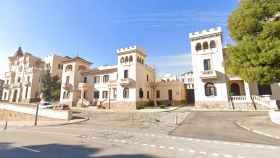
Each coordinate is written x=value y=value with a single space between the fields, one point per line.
x=133 y=76
x=208 y=69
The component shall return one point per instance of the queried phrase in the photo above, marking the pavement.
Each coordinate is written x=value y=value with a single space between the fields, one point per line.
x=142 y=135
x=261 y=125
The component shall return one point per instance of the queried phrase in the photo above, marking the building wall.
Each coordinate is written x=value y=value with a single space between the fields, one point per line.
x=216 y=59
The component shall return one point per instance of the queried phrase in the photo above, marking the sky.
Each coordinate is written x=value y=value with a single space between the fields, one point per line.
x=94 y=29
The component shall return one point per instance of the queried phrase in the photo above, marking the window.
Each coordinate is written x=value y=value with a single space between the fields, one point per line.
x=212 y=44
x=198 y=47
x=105 y=94
x=68 y=68
x=85 y=79
x=126 y=59
x=105 y=78
x=125 y=74
x=148 y=94
x=5 y=95
x=125 y=93
x=122 y=60
x=147 y=78
x=28 y=78
x=206 y=64
x=18 y=80
x=264 y=89
x=96 y=94
x=130 y=59
x=66 y=94
x=114 y=93
x=205 y=45
x=96 y=79
x=67 y=79
x=210 y=89
x=7 y=82
x=26 y=92
x=158 y=94
x=141 y=93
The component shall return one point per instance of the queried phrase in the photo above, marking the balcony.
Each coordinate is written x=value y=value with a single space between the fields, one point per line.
x=126 y=82
x=27 y=83
x=6 y=86
x=16 y=85
x=208 y=74
x=10 y=74
x=67 y=86
x=84 y=86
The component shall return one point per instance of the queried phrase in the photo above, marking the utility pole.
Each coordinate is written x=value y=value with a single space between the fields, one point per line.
x=36 y=115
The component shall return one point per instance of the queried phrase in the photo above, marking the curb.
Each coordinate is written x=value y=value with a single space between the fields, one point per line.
x=256 y=131
x=50 y=125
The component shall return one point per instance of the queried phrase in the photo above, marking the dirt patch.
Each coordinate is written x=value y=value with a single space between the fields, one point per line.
x=15 y=116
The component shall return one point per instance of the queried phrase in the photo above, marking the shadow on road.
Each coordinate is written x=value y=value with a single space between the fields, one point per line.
x=8 y=150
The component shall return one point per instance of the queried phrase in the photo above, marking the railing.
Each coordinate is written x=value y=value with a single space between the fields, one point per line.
x=208 y=74
x=264 y=101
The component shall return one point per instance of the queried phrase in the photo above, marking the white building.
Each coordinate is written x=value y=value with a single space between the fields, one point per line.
x=212 y=86
x=128 y=85
x=188 y=80
x=22 y=81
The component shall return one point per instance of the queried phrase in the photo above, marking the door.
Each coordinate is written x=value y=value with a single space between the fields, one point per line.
x=170 y=95
x=15 y=96
x=235 y=89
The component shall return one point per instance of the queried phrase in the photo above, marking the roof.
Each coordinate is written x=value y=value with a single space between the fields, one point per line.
x=101 y=71
x=77 y=58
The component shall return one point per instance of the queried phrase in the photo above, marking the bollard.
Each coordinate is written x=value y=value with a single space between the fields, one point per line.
x=176 y=119
x=6 y=125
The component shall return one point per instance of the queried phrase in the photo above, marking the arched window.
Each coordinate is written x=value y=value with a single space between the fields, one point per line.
x=141 y=93
x=198 y=47
x=210 y=89
x=212 y=44
x=68 y=68
x=125 y=93
x=205 y=45
x=122 y=60
x=126 y=59
x=130 y=58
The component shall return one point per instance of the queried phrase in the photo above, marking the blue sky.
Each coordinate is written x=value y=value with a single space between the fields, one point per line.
x=94 y=29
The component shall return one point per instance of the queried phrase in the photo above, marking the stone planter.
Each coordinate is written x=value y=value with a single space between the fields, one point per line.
x=275 y=116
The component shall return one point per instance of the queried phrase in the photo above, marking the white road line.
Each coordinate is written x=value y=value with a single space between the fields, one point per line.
x=192 y=151
x=215 y=154
x=227 y=156
x=181 y=149
x=162 y=147
x=28 y=149
x=171 y=148
x=203 y=152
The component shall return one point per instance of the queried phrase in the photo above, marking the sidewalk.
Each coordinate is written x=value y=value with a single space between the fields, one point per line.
x=261 y=125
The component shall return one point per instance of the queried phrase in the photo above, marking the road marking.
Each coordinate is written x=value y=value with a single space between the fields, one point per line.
x=171 y=148
x=215 y=154
x=227 y=156
x=28 y=149
x=159 y=136
x=181 y=149
x=152 y=145
x=192 y=151
x=162 y=147
x=203 y=152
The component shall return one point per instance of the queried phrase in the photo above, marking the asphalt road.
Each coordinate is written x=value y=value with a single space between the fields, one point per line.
x=113 y=138
x=221 y=126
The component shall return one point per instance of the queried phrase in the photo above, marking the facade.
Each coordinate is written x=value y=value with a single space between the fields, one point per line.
x=1 y=88
x=188 y=80
x=216 y=89
x=128 y=85
x=22 y=81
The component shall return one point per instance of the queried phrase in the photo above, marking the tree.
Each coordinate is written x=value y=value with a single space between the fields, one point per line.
x=255 y=28
x=50 y=87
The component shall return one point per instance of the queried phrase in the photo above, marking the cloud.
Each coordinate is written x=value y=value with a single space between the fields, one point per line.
x=174 y=64
x=174 y=18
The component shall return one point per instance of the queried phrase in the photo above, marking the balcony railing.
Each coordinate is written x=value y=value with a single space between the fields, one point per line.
x=126 y=82
x=208 y=74
x=84 y=86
